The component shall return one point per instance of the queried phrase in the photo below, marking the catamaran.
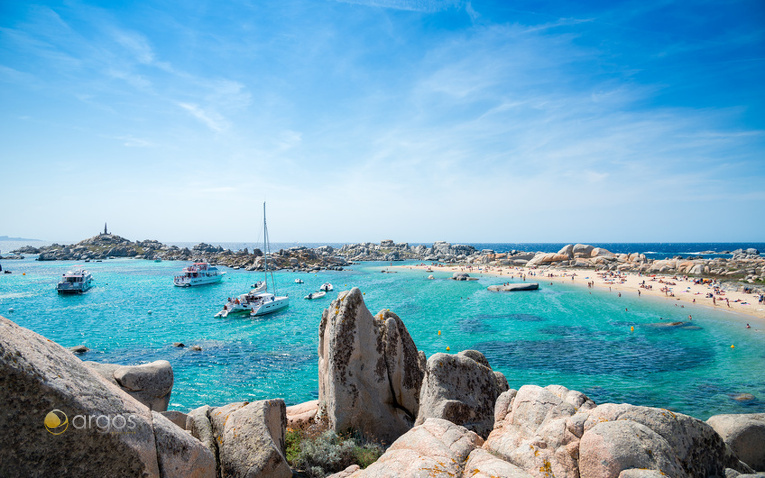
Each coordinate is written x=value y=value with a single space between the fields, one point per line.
x=75 y=282
x=267 y=302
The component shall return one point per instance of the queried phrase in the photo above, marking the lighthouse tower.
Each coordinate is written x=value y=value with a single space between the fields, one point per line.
x=105 y=231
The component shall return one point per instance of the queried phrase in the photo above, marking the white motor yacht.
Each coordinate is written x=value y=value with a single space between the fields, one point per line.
x=75 y=282
x=200 y=273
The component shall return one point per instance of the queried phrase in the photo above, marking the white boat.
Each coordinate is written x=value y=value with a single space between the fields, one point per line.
x=298 y=281
x=259 y=286
x=326 y=287
x=200 y=273
x=267 y=302
x=244 y=303
x=75 y=282
x=315 y=295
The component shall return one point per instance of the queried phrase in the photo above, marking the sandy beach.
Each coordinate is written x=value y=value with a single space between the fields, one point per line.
x=741 y=307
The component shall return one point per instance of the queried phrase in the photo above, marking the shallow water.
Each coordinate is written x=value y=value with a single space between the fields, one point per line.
x=560 y=334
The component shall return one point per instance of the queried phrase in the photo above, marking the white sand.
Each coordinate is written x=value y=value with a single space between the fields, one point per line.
x=742 y=307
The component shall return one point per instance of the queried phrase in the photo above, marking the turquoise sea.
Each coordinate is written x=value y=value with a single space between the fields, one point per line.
x=561 y=334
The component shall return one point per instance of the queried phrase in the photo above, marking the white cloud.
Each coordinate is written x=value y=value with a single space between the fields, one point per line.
x=212 y=120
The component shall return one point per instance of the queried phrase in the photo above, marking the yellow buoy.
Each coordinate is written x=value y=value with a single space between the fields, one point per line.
x=23 y=273
x=733 y=346
x=448 y=349
x=439 y=332
x=632 y=329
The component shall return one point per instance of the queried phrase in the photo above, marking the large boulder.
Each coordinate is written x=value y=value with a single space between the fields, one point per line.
x=250 y=439
x=370 y=371
x=582 y=250
x=539 y=428
x=178 y=453
x=150 y=384
x=63 y=419
x=435 y=448
x=620 y=437
x=482 y=464
x=461 y=388
x=544 y=258
x=745 y=435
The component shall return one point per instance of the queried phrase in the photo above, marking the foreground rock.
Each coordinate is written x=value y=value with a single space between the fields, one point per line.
x=247 y=438
x=745 y=435
x=461 y=388
x=370 y=371
x=435 y=448
x=151 y=384
x=48 y=396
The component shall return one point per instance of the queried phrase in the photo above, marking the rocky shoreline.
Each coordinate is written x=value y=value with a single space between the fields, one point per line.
x=745 y=267
x=446 y=415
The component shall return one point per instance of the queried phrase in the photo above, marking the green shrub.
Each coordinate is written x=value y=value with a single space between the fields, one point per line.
x=329 y=453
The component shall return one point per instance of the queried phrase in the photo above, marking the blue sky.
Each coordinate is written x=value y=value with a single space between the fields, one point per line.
x=362 y=120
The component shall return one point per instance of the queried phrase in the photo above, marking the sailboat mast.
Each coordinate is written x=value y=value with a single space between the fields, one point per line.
x=265 y=245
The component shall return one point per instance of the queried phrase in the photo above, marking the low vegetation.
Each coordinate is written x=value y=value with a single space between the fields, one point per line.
x=317 y=452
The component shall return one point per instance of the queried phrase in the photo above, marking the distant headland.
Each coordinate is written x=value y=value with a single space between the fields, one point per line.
x=744 y=265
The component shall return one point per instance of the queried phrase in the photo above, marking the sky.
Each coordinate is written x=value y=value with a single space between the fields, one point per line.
x=364 y=120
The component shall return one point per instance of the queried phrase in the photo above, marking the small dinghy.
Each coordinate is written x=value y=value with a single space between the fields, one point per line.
x=315 y=295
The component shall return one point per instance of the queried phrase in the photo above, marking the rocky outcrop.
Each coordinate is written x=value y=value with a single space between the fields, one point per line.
x=561 y=432
x=250 y=439
x=302 y=414
x=150 y=384
x=246 y=438
x=370 y=371
x=461 y=388
x=536 y=428
x=435 y=448
x=68 y=420
x=514 y=287
x=178 y=453
x=745 y=435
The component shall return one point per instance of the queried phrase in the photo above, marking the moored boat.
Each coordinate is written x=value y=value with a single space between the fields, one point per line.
x=244 y=303
x=267 y=302
x=326 y=287
x=200 y=273
x=316 y=295
x=75 y=282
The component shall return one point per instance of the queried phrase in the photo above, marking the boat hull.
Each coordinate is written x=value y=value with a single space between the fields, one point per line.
x=197 y=281
x=270 y=307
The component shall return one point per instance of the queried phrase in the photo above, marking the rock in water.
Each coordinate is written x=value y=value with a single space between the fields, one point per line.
x=370 y=371
x=745 y=435
x=47 y=397
x=79 y=349
x=461 y=388
x=151 y=383
x=513 y=287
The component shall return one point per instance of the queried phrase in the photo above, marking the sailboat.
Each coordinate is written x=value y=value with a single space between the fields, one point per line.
x=258 y=301
x=267 y=302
